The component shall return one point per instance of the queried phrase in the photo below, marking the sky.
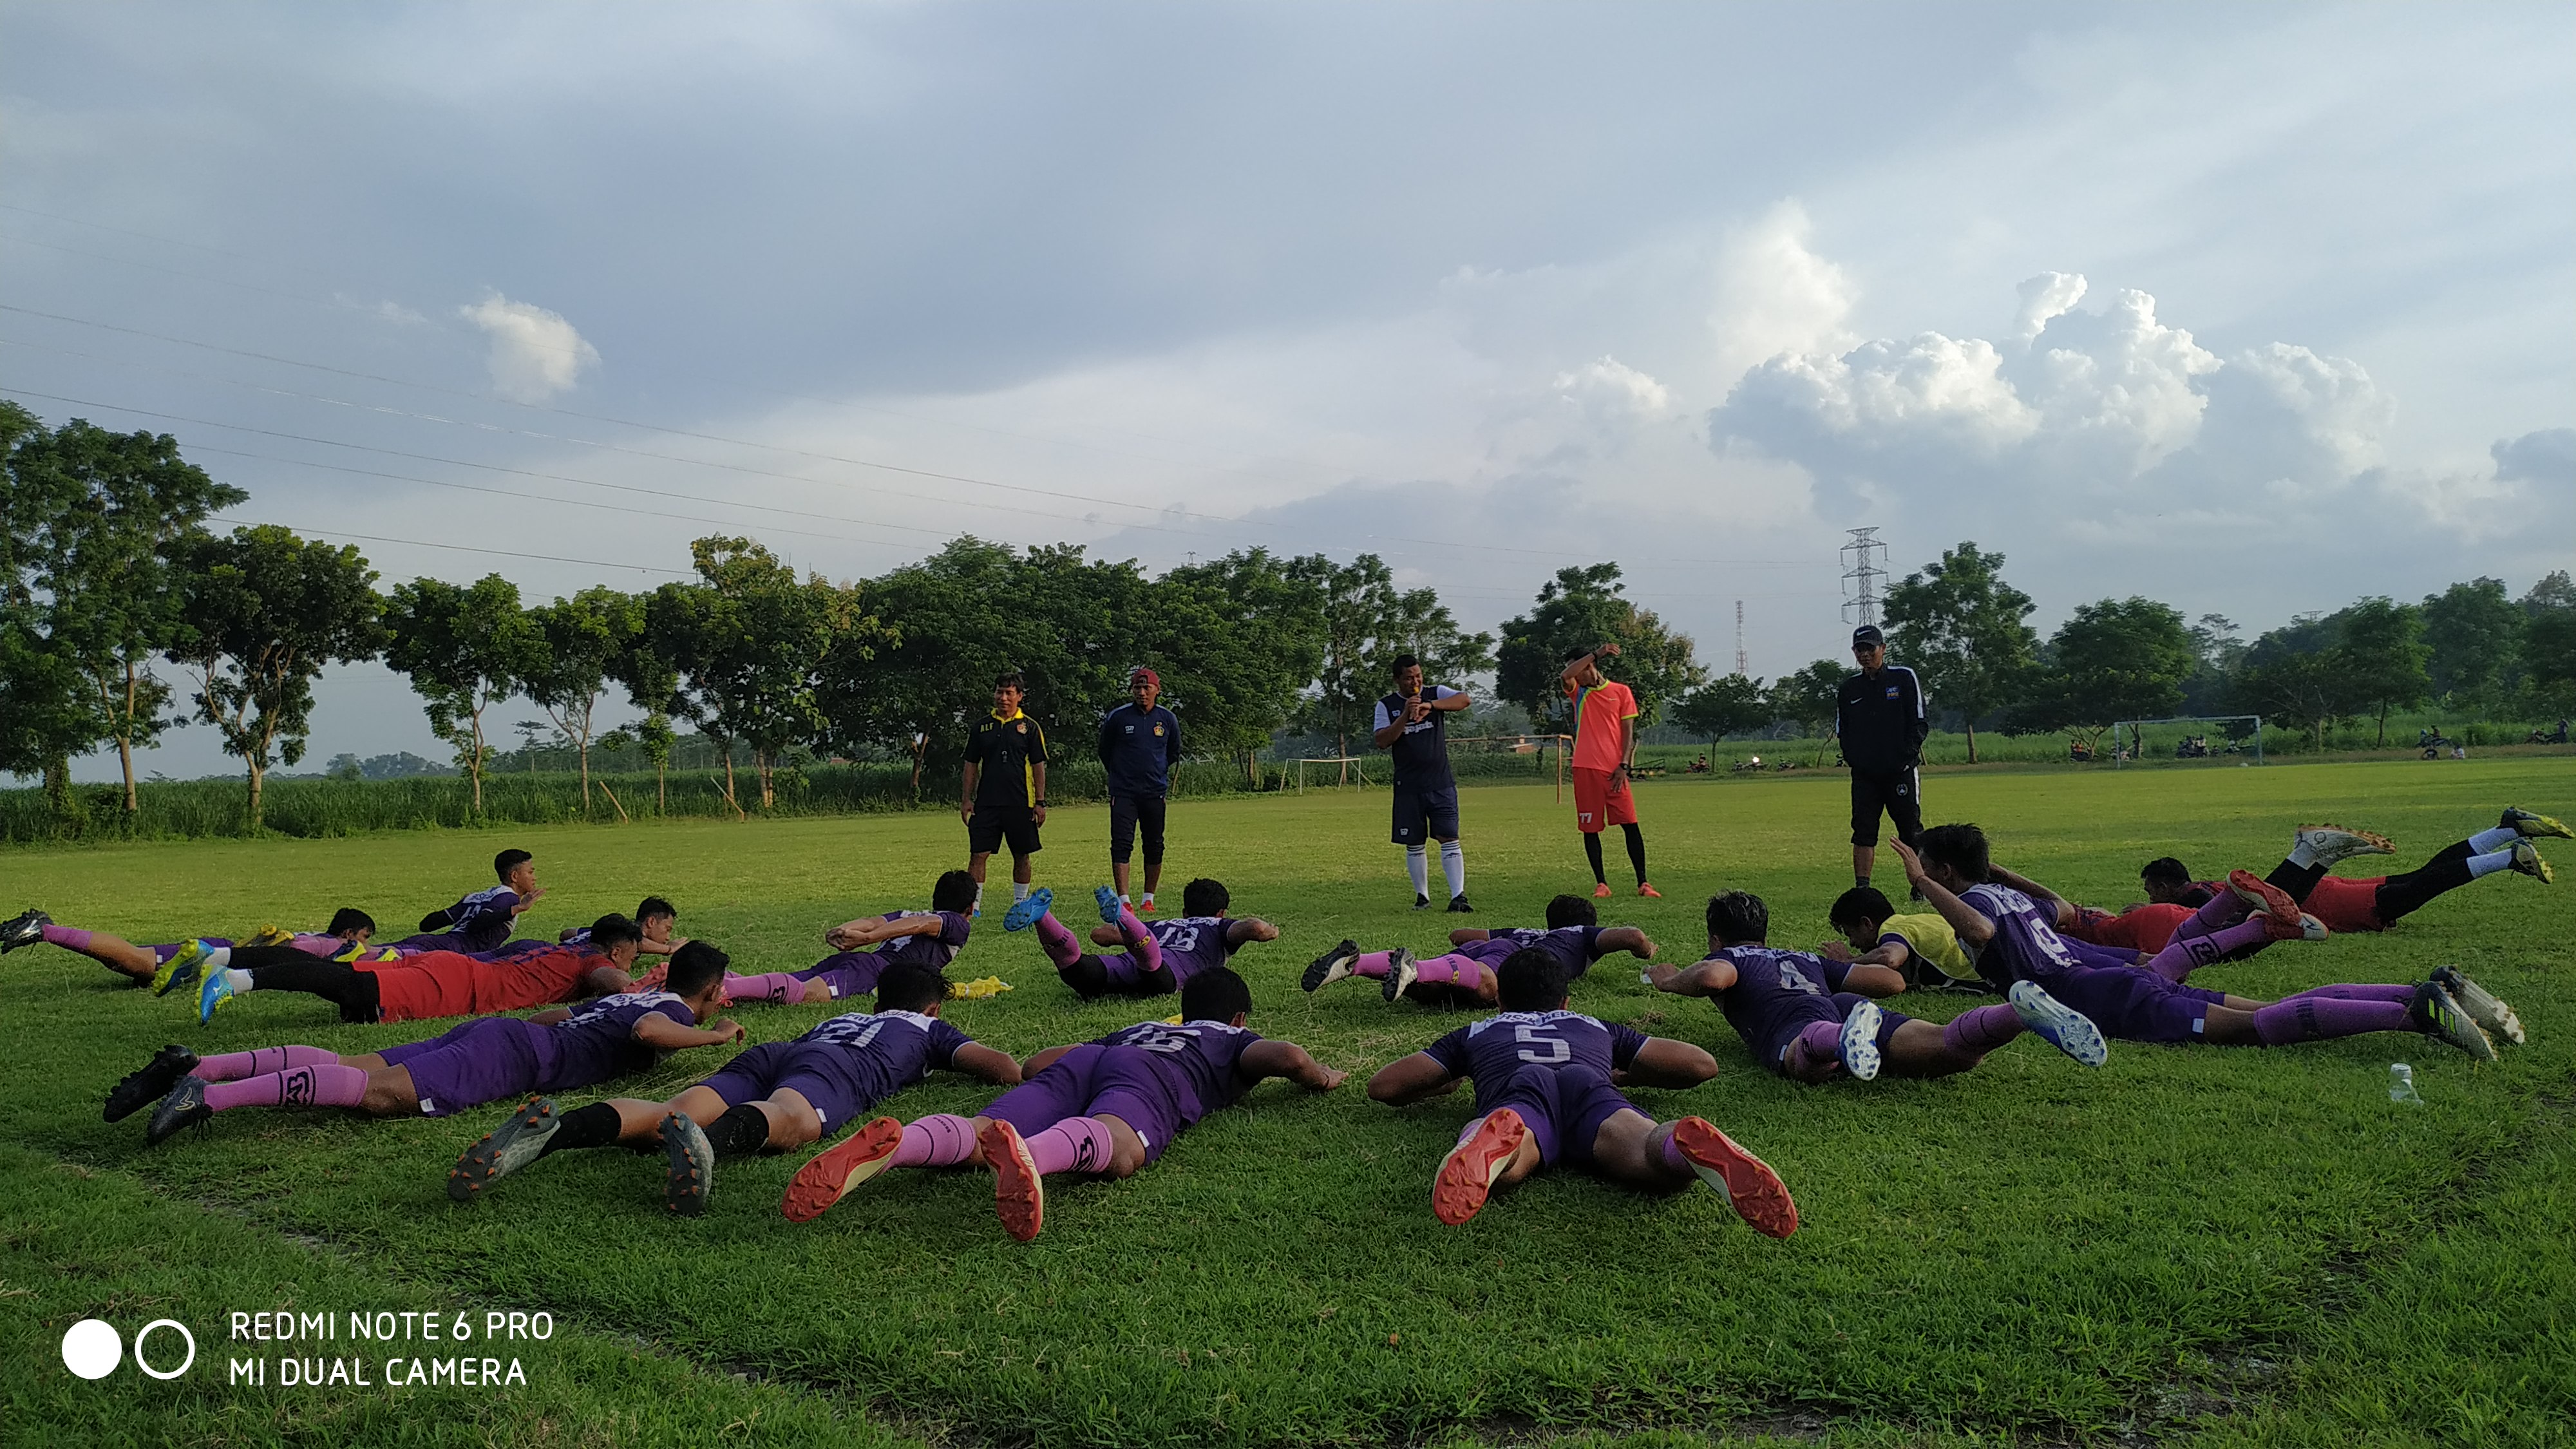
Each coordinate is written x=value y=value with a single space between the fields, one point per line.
x=2254 y=310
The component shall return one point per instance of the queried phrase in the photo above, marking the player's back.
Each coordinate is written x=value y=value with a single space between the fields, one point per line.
x=1573 y=946
x=598 y=1041
x=935 y=950
x=1192 y=944
x=1932 y=938
x=888 y=1050
x=2026 y=945
x=541 y=977
x=1197 y=1059
x=1774 y=988
x=1491 y=1051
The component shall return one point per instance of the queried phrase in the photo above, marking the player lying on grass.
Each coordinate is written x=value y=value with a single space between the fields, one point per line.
x=1810 y=1018
x=1158 y=959
x=420 y=987
x=1465 y=976
x=771 y=1098
x=1547 y=1093
x=483 y=1060
x=657 y=918
x=143 y=965
x=2014 y=938
x=1919 y=945
x=483 y=919
x=864 y=949
x=1101 y=1108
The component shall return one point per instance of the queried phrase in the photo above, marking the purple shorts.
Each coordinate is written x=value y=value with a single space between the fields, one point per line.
x=1564 y=1108
x=851 y=973
x=2131 y=1003
x=1126 y=978
x=1775 y=1052
x=162 y=953
x=818 y=1073
x=1094 y=1081
x=483 y=1060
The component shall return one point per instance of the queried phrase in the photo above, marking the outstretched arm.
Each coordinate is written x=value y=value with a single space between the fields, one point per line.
x=662 y=1032
x=1040 y=1061
x=1625 y=938
x=2064 y=909
x=978 y=1060
x=1708 y=978
x=551 y=1016
x=1411 y=1079
x=1874 y=981
x=1270 y=1058
x=870 y=930
x=1971 y=924
x=1664 y=1062
x=1249 y=929
x=1468 y=936
x=606 y=981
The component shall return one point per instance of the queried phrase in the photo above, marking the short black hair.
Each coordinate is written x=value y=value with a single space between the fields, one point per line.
x=1012 y=678
x=1216 y=994
x=1571 y=910
x=508 y=861
x=1961 y=848
x=1573 y=654
x=1739 y=918
x=2166 y=869
x=694 y=967
x=651 y=906
x=910 y=986
x=350 y=918
x=614 y=930
x=954 y=891
x=1860 y=903
x=1401 y=663
x=1530 y=980
x=1205 y=897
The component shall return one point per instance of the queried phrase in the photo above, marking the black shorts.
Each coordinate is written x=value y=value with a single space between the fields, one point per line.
x=1126 y=812
x=1898 y=792
x=993 y=824
x=1422 y=816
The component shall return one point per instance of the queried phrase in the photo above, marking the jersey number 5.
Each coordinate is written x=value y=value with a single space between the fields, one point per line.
x=1532 y=1038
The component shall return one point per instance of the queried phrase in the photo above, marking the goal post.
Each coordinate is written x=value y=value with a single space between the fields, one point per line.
x=2134 y=732
x=1353 y=770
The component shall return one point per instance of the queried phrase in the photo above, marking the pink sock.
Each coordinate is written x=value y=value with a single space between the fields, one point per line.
x=1374 y=963
x=1142 y=948
x=2358 y=991
x=2315 y=1018
x=1076 y=1144
x=233 y=1066
x=776 y=987
x=2187 y=955
x=937 y=1140
x=1671 y=1156
x=1448 y=970
x=2216 y=914
x=1981 y=1029
x=1058 y=941
x=318 y=1085
x=1824 y=1040
x=66 y=936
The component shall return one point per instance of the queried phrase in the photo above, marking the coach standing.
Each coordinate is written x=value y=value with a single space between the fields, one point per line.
x=1882 y=722
x=1003 y=797
x=1413 y=727
x=1140 y=741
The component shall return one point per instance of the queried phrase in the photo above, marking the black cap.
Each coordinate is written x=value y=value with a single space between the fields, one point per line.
x=1867 y=634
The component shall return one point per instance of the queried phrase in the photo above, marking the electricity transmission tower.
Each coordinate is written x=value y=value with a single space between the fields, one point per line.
x=1866 y=576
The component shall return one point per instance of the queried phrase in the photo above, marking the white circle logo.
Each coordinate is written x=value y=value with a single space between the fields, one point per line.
x=175 y=1326
x=91 y=1348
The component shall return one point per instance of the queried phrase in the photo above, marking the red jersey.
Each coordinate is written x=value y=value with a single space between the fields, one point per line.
x=1598 y=714
x=449 y=983
x=2149 y=927
x=2346 y=903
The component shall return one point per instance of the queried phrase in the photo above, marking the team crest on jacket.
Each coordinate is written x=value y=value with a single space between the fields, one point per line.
x=1158 y=729
x=1022 y=727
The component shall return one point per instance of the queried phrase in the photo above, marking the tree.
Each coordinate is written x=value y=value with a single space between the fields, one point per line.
x=1810 y=698
x=2549 y=643
x=1960 y=626
x=576 y=642
x=2290 y=679
x=263 y=611
x=2474 y=633
x=2221 y=649
x=1237 y=639
x=465 y=649
x=2382 y=655
x=1724 y=706
x=1366 y=622
x=2113 y=659
x=1581 y=607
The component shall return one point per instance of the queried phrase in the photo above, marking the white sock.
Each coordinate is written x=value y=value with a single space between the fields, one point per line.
x=2497 y=839
x=1453 y=864
x=979 y=895
x=1019 y=891
x=235 y=977
x=2490 y=863
x=2301 y=856
x=218 y=957
x=1149 y=898
x=1418 y=865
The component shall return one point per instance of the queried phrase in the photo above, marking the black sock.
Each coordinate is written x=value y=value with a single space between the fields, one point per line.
x=2400 y=895
x=1592 y=850
x=596 y=1125
x=1860 y=882
x=2295 y=880
x=1636 y=851
x=283 y=968
x=740 y=1131
x=1086 y=976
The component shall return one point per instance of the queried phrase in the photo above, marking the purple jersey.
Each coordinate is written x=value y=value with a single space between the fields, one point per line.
x=1192 y=944
x=1197 y=1061
x=1491 y=1051
x=935 y=950
x=1775 y=993
x=1576 y=946
x=598 y=1041
x=889 y=1050
x=2025 y=945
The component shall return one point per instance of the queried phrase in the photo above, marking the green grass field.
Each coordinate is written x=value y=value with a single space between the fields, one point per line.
x=2192 y=1245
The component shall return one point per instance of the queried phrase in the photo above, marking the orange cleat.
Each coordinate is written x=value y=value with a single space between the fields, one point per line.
x=1746 y=1181
x=1466 y=1176
x=1601 y=892
x=2266 y=899
x=1019 y=1192
x=833 y=1172
x=1644 y=889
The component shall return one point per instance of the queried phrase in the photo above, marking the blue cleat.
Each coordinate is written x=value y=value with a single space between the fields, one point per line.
x=182 y=968
x=1111 y=908
x=214 y=996
x=1860 y=1040
x=2059 y=1024
x=1024 y=914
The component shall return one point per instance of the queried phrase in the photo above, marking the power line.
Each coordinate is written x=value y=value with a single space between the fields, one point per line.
x=458 y=547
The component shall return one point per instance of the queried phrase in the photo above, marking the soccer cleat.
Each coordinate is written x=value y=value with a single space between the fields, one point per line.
x=1421 y=902
x=1145 y=907
x=141 y=1088
x=2526 y=858
x=505 y=1149
x=691 y=1166
x=2267 y=899
x=2058 y=1024
x=2327 y=844
x=2305 y=928
x=353 y=953
x=1400 y=973
x=2479 y=1004
x=1024 y=913
x=184 y=1106
x=214 y=996
x=1106 y=897
x=23 y=930
x=181 y=969
x=844 y=1165
x=2312 y=929
x=1466 y=1175
x=1746 y=1182
x=269 y=934
x=1458 y=906
x=1859 y=1044
x=2436 y=1014
x=1019 y=1191
x=1601 y=892
x=1644 y=889
x=2524 y=822
x=1332 y=966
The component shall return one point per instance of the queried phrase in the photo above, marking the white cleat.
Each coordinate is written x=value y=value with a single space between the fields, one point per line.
x=2058 y=1024
x=1860 y=1040
x=2327 y=844
x=2438 y=1014
x=2479 y=1004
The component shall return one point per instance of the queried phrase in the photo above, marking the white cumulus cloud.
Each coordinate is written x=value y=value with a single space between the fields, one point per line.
x=535 y=353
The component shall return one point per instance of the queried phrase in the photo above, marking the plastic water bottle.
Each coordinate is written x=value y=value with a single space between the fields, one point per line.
x=2401 y=1084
